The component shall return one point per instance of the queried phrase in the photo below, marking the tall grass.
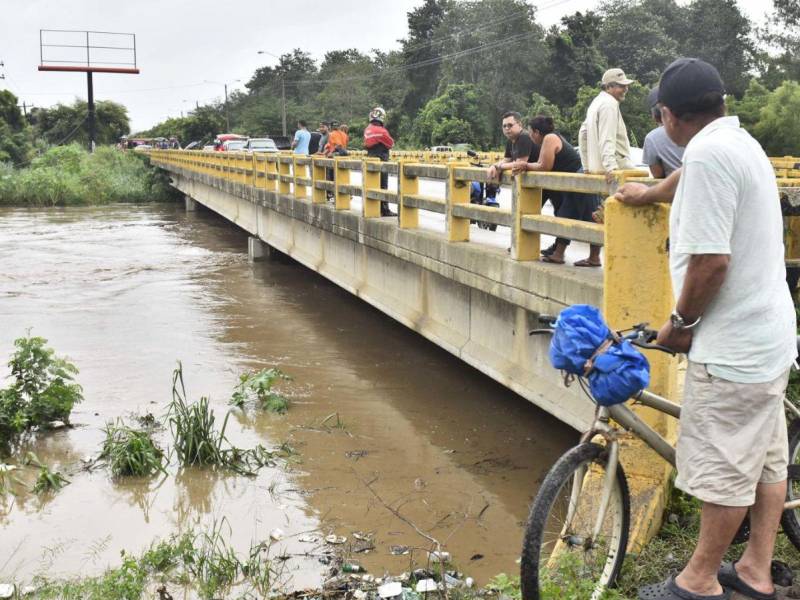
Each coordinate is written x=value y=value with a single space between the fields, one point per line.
x=70 y=176
x=131 y=452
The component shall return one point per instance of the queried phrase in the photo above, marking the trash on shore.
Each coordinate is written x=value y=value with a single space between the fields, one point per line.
x=335 y=539
x=439 y=556
x=7 y=590
x=277 y=534
x=390 y=590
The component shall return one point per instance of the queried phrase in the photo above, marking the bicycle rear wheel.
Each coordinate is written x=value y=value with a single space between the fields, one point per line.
x=560 y=555
x=790 y=520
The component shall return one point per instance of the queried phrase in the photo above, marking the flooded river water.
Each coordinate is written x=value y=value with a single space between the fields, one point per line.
x=127 y=291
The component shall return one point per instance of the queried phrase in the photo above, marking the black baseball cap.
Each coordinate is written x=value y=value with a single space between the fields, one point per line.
x=652 y=98
x=685 y=84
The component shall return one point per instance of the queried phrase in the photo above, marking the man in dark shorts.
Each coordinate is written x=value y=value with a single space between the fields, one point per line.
x=518 y=145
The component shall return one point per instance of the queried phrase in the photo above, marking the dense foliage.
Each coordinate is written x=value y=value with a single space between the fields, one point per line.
x=69 y=175
x=464 y=63
x=42 y=390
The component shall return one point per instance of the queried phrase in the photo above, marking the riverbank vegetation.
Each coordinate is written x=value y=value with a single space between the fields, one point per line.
x=70 y=176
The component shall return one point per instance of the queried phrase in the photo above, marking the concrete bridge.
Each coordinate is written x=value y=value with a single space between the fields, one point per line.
x=474 y=293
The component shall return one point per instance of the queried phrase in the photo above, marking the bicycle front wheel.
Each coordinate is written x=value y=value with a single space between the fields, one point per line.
x=560 y=551
x=790 y=520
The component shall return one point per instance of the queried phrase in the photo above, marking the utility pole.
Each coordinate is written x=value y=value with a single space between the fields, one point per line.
x=283 y=102
x=227 y=113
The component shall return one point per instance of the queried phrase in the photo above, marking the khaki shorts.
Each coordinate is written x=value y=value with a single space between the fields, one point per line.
x=732 y=437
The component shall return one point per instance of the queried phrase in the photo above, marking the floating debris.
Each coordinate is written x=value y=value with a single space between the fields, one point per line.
x=277 y=534
x=390 y=590
x=7 y=590
x=335 y=539
x=476 y=557
x=399 y=550
x=427 y=585
x=308 y=539
x=439 y=556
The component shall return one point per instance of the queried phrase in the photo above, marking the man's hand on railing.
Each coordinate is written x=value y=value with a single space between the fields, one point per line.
x=634 y=194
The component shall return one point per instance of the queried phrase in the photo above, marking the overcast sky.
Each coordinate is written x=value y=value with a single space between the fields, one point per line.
x=184 y=45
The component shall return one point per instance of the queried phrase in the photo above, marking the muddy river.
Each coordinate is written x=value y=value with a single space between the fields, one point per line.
x=127 y=291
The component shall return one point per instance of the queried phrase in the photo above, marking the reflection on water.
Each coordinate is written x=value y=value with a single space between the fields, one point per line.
x=380 y=417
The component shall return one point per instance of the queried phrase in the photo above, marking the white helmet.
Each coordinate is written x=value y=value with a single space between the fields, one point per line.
x=377 y=114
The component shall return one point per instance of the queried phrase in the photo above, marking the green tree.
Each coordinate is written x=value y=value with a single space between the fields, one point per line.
x=460 y=115
x=642 y=51
x=720 y=34
x=539 y=105
x=15 y=138
x=749 y=108
x=423 y=50
x=67 y=122
x=573 y=58
x=778 y=129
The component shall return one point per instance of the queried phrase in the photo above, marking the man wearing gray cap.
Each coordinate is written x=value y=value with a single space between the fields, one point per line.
x=603 y=137
x=735 y=319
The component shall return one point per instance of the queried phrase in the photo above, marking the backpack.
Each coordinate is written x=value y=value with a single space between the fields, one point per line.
x=583 y=345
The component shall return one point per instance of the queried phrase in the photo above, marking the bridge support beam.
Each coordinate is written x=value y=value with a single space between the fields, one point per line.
x=256 y=249
x=191 y=203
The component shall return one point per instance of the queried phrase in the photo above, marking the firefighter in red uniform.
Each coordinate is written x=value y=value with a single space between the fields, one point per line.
x=378 y=142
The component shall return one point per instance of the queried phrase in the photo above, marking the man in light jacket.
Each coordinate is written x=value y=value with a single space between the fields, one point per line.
x=603 y=136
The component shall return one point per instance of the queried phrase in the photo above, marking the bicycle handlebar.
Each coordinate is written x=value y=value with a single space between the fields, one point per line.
x=639 y=335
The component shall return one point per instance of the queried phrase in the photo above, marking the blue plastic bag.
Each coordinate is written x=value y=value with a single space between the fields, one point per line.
x=616 y=374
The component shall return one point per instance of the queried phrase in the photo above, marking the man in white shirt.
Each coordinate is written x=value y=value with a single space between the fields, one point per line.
x=735 y=318
x=603 y=137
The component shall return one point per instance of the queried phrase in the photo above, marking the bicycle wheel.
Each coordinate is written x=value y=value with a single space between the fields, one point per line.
x=558 y=554
x=790 y=519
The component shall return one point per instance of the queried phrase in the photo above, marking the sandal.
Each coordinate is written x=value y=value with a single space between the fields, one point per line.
x=549 y=259
x=549 y=250
x=669 y=590
x=728 y=577
x=585 y=262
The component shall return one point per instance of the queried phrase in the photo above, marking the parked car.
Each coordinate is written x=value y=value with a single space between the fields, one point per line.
x=283 y=142
x=233 y=145
x=209 y=148
x=226 y=137
x=260 y=145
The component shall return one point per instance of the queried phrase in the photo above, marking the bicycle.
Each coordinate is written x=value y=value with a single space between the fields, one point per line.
x=582 y=510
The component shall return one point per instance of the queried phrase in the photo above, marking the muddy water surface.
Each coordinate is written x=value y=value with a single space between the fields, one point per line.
x=380 y=417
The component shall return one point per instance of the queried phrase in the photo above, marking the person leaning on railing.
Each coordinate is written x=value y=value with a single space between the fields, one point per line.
x=519 y=145
x=557 y=154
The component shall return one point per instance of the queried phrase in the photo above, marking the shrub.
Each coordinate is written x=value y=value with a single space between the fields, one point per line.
x=43 y=389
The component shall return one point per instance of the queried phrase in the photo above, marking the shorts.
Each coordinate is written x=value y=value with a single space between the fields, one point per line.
x=732 y=437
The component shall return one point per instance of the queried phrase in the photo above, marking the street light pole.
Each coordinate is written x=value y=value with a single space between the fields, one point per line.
x=283 y=103
x=227 y=112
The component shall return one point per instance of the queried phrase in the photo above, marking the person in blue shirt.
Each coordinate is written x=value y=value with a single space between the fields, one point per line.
x=302 y=137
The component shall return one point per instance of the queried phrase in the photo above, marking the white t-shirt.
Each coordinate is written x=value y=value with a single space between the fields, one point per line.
x=727 y=203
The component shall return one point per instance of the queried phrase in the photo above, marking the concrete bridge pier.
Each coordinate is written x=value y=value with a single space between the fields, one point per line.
x=256 y=249
x=191 y=203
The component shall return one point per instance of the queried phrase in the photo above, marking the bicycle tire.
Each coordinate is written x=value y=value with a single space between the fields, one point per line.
x=790 y=519
x=550 y=500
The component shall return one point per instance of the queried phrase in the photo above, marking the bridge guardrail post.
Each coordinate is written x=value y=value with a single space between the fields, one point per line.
x=408 y=216
x=271 y=171
x=341 y=177
x=284 y=170
x=317 y=174
x=637 y=288
x=370 y=180
x=525 y=245
x=457 y=192
x=299 y=171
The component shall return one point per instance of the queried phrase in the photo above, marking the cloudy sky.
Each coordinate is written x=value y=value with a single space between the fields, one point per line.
x=187 y=49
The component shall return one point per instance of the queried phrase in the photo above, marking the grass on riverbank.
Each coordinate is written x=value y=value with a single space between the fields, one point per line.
x=70 y=176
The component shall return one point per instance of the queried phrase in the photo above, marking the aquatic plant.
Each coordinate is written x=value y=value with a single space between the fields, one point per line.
x=42 y=390
x=47 y=480
x=257 y=385
x=197 y=441
x=131 y=451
